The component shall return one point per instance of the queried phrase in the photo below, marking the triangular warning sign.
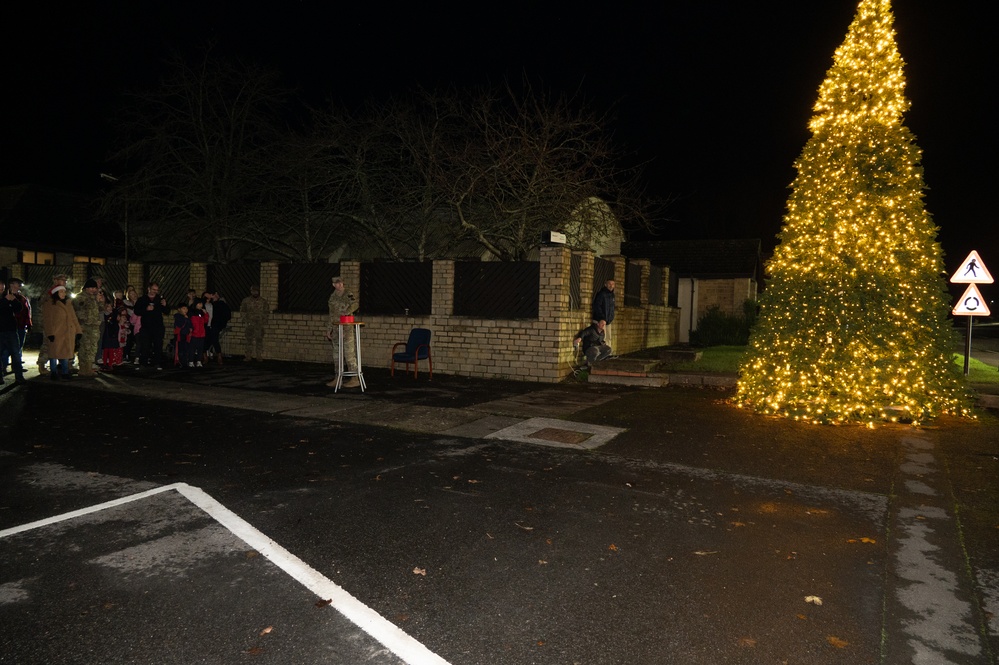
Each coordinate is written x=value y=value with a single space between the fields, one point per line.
x=972 y=271
x=971 y=303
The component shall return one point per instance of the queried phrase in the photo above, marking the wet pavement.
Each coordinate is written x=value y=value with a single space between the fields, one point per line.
x=469 y=521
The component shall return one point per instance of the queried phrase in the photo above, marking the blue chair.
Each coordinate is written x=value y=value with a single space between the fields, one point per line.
x=417 y=349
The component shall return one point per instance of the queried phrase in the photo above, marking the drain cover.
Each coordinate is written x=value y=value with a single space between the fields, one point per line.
x=560 y=435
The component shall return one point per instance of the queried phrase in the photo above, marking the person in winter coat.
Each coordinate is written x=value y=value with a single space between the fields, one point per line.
x=22 y=320
x=221 y=314
x=61 y=329
x=151 y=308
x=182 y=337
x=592 y=339
x=602 y=308
x=199 y=327
x=10 y=346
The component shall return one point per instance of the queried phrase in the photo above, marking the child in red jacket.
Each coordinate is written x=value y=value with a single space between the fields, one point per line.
x=199 y=327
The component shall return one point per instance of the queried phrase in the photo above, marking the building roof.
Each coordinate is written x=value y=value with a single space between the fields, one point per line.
x=704 y=259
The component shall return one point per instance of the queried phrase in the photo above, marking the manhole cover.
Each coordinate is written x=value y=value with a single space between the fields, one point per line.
x=560 y=435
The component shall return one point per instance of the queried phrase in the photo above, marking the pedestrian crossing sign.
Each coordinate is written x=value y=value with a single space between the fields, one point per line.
x=972 y=271
x=971 y=303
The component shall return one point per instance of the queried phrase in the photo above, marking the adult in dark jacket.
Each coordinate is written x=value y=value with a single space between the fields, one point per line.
x=10 y=346
x=221 y=315
x=602 y=308
x=592 y=339
x=23 y=318
x=151 y=308
x=603 y=304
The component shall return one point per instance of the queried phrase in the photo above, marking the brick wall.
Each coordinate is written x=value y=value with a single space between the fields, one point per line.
x=728 y=294
x=532 y=350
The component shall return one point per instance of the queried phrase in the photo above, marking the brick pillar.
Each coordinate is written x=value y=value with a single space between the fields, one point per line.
x=666 y=270
x=350 y=273
x=442 y=297
x=78 y=277
x=586 y=281
x=137 y=277
x=553 y=298
x=199 y=277
x=644 y=290
x=269 y=283
x=557 y=322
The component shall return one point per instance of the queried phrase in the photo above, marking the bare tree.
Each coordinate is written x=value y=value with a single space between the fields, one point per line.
x=378 y=169
x=533 y=163
x=206 y=173
x=196 y=163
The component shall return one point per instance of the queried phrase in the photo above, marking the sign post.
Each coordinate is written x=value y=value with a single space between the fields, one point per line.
x=972 y=272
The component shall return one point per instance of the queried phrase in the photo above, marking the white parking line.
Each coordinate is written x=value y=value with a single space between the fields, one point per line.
x=365 y=618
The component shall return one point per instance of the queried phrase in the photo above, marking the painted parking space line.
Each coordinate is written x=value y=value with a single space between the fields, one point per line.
x=384 y=631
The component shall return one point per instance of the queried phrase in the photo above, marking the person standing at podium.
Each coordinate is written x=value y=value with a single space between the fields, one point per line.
x=341 y=303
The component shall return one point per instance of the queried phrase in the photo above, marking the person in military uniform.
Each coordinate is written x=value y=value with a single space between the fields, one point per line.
x=341 y=303
x=90 y=314
x=256 y=312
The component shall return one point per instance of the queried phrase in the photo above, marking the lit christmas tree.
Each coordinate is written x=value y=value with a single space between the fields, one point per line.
x=853 y=322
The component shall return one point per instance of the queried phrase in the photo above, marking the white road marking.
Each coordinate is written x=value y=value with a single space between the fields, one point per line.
x=365 y=618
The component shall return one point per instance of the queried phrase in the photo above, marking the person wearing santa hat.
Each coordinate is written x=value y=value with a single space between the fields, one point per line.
x=61 y=329
x=43 y=350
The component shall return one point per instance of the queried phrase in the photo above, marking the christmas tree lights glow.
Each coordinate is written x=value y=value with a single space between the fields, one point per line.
x=853 y=322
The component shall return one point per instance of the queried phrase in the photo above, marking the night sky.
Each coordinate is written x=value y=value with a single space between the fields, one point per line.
x=713 y=95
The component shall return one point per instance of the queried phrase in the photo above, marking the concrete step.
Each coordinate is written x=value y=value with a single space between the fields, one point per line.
x=661 y=379
x=624 y=367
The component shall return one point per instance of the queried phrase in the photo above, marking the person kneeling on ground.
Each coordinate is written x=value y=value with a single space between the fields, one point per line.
x=592 y=339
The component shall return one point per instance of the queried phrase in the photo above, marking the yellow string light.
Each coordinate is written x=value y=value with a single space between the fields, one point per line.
x=853 y=323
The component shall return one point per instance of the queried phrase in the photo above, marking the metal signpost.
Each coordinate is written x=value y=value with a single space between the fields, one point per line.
x=972 y=272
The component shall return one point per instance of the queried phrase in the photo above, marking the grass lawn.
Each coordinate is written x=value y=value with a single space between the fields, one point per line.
x=978 y=372
x=725 y=359
x=713 y=359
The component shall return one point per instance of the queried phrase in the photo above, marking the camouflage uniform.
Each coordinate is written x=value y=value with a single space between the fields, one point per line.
x=255 y=312
x=88 y=312
x=340 y=305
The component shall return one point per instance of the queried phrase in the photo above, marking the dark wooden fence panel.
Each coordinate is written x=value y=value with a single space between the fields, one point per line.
x=575 y=279
x=306 y=287
x=397 y=289
x=603 y=270
x=633 y=285
x=115 y=276
x=232 y=280
x=656 y=285
x=38 y=280
x=497 y=290
x=174 y=280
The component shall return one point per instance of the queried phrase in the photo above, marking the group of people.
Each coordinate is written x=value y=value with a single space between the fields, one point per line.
x=104 y=331
x=125 y=327
x=255 y=311
x=594 y=339
x=198 y=326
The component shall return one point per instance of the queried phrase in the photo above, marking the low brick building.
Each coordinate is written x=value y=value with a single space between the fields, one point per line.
x=706 y=274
